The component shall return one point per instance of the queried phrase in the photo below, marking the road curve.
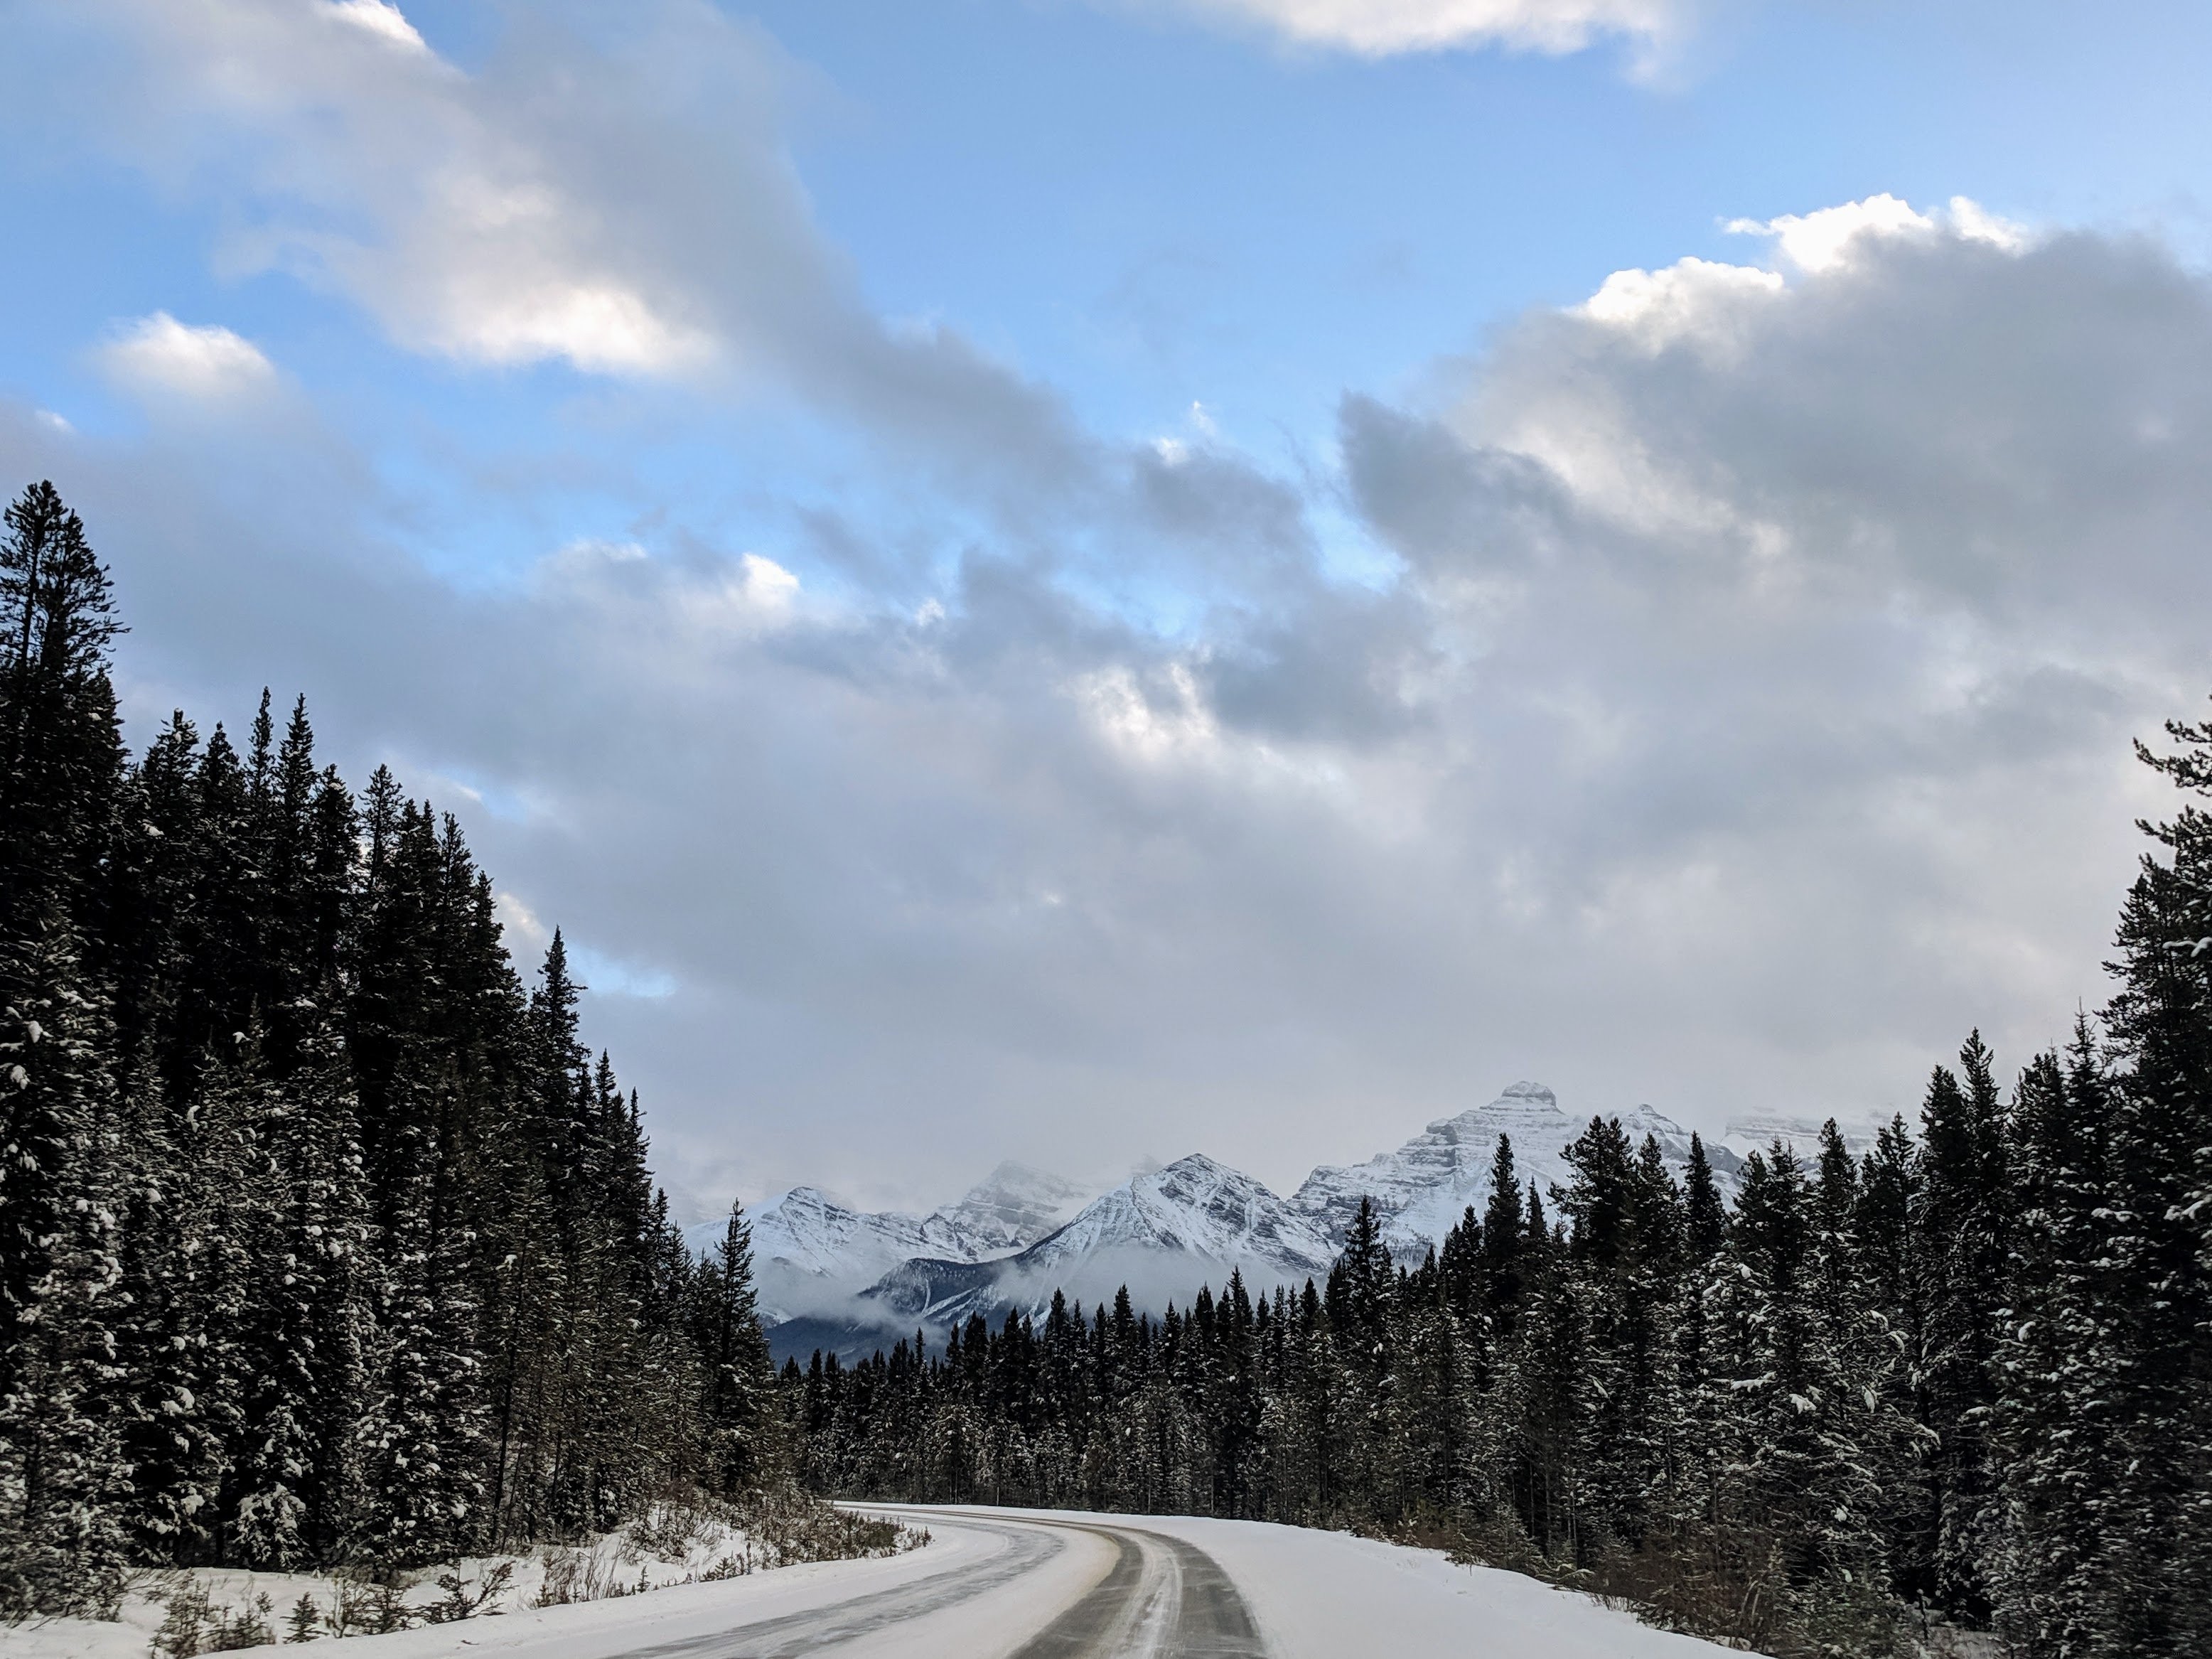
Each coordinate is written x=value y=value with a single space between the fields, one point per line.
x=1163 y=1597
x=1158 y=1598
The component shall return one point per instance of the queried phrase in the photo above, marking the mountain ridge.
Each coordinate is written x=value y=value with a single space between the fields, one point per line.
x=850 y=1281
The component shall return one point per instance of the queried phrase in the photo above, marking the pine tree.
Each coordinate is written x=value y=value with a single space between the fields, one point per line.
x=420 y=1444
x=2155 y=1545
x=739 y=1374
x=62 y=1478
x=2052 y=1424
x=61 y=773
x=1962 y=1227
x=61 y=758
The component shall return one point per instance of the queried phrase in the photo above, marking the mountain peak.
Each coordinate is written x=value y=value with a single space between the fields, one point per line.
x=1194 y=1166
x=1012 y=1207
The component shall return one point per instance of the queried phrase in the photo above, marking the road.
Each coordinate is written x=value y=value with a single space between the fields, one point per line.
x=1117 y=1592
x=1028 y=1584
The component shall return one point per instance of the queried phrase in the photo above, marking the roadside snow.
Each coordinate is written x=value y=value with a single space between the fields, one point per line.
x=1315 y=1596
x=985 y=1626
x=1323 y=1594
x=1326 y=1594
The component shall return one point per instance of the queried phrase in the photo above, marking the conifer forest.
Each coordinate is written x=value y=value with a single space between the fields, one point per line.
x=324 y=1237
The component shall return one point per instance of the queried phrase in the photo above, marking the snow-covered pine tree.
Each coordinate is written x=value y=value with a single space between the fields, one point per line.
x=301 y=1389
x=2050 y=1426
x=63 y=1478
x=2156 y=1543
x=1960 y=1226
x=739 y=1374
x=61 y=775
x=420 y=1448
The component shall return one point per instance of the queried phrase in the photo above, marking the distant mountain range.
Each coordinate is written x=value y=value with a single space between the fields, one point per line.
x=848 y=1282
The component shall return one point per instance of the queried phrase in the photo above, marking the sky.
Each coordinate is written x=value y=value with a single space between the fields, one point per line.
x=1088 y=579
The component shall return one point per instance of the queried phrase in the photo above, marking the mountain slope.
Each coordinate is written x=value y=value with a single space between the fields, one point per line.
x=812 y=1256
x=851 y=1282
x=1161 y=1234
x=1421 y=1191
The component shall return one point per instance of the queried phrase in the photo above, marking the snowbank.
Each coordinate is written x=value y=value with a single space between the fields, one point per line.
x=1323 y=1594
x=529 y=1595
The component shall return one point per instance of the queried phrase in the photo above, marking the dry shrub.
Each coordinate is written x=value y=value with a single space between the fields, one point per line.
x=670 y=1531
x=785 y=1529
x=195 y=1624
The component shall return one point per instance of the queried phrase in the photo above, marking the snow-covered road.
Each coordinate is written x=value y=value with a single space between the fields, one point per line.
x=1037 y=1584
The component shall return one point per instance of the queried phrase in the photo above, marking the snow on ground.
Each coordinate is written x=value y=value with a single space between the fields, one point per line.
x=986 y=1626
x=1315 y=1596
x=1323 y=1594
x=680 y=1546
x=1327 y=1594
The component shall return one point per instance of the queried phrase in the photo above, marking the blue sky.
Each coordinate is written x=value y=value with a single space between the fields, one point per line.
x=1064 y=578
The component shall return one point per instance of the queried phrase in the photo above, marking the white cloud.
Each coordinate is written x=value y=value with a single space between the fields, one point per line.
x=521 y=921
x=1690 y=298
x=627 y=212
x=1750 y=721
x=1720 y=312
x=161 y=357
x=1378 y=28
x=609 y=190
x=381 y=19
x=1822 y=241
x=601 y=327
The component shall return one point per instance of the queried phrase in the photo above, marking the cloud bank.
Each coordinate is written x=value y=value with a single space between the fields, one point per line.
x=1742 y=714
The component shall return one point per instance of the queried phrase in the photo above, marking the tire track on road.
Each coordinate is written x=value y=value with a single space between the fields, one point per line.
x=1162 y=1599
x=795 y=1634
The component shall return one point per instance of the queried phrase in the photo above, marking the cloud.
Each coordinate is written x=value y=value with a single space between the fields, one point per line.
x=386 y=22
x=1824 y=240
x=608 y=193
x=1381 y=29
x=618 y=201
x=1750 y=719
x=1744 y=714
x=158 y=356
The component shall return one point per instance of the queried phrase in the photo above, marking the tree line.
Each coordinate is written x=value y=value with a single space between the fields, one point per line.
x=323 y=1238
x=1965 y=1375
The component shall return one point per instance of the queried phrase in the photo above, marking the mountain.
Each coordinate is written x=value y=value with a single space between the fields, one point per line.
x=812 y=1255
x=1161 y=1234
x=1014 y=1207
x=1420 y=1190
x=850 y=1282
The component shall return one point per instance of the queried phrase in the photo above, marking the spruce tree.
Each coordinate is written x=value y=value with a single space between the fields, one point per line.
x=2156 y=1546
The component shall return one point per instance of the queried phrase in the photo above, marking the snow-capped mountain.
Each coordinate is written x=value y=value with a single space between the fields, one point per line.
x=850 y=1282
x=1161 y=1234
x=812 y=1255
x=1013 y=1207
x=1421 y=1191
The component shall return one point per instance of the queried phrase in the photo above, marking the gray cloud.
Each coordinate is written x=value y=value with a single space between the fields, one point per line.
x=1749 y=718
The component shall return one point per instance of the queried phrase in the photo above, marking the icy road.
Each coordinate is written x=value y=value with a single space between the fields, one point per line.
x=1028 y=1587
x=1033 y=1585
